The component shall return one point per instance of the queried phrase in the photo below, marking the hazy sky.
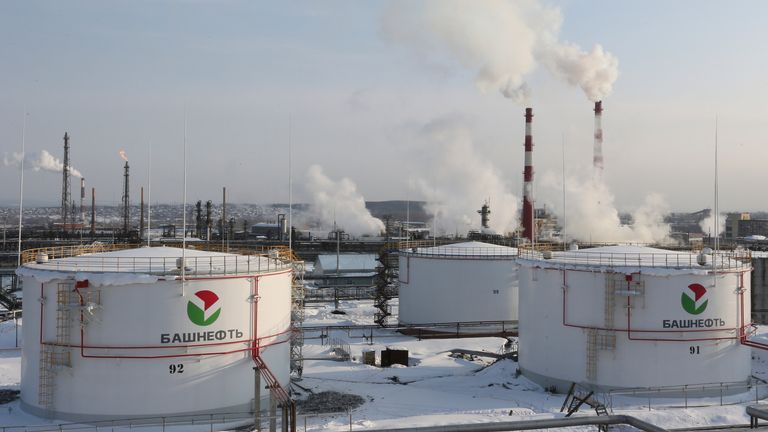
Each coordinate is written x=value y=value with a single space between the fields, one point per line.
x=119 y=74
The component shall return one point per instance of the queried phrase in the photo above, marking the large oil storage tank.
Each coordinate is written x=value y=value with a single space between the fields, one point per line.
x=633 y=317
x=460 y=282
x=119 y=334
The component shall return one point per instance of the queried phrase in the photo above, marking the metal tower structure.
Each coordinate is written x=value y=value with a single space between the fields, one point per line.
x=485 y=211
x=126 y=201
x=65 y=185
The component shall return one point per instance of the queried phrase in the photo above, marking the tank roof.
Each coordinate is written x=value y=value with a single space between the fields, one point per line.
x=141 y=265
x=632 y=257
x=472 y=249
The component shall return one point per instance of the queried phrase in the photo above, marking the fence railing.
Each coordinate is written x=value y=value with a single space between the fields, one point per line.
x=89 y=259
x=193 y=423
x=724 y=260
x=449 y=251
x=688 y=396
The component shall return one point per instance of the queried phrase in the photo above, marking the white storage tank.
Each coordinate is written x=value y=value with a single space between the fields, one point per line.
x=624 y=317
x=461 y=282
x=117 y=334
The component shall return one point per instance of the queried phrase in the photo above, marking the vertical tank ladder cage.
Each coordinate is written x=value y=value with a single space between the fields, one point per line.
x=279 y=393
x=297 y=319
x=617 y=286
x=55 y=356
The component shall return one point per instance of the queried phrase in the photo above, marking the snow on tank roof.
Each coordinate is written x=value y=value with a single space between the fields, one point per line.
x=148 y=264
x=630 y=257
x=466 y=249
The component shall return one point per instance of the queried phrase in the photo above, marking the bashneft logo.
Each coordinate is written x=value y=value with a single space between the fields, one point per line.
x=204 y=308
x=693 y=300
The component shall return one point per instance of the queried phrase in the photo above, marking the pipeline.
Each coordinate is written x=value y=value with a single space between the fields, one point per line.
x=535 y=424
x=254 y=348
x=629 y=329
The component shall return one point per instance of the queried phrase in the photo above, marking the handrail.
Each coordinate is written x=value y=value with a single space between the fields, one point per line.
x=534 y=424
x=86 y=258
x=676 y=260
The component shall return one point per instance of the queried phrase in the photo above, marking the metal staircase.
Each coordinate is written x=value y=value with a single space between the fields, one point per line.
x=577 y=397
x=386 y=283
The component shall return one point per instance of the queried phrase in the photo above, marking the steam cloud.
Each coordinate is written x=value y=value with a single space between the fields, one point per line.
x=462 y=181
x=342 y=198
x=503 y=41
x=708 y=224
x=38 y=161
x=592 y=214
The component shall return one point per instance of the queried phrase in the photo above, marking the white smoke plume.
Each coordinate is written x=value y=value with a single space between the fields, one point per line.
x=341 y=201
x=708 y=224
x=460 y=180
x=38 y=161
x=503 y=41
x=591 y=214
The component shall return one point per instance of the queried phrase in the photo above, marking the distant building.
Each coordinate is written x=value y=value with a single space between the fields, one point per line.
x=740 y=225
x=353 y=270
x=267 y=230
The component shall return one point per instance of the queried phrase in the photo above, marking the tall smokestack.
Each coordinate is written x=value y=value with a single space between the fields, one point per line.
x=82 y=200
x=65 y=186
x=528 y=178
x=223 y=233
x=141 y=215
x=93 y=212
x=597 y=159
x=126 y=201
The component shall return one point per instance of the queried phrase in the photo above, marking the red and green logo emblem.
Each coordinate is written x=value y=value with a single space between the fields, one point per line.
x=204 y=308
x=694 y=299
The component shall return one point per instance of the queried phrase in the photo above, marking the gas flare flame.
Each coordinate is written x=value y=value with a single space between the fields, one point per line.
x=123 y=156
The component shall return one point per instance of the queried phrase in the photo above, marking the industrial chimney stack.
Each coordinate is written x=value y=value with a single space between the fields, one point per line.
x=82 y=200
x=528 y=178
x=597 y=160
x=65 y=185
x=485 y=211
x=126 y=201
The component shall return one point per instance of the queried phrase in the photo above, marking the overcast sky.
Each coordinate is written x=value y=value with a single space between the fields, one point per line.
x=119 y=74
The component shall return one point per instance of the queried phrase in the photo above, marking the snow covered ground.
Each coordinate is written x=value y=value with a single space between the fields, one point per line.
x=437 y=388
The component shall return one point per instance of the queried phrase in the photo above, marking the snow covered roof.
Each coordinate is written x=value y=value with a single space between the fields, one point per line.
x=632 y=257
x=472 y=249
x=348 y=263
x=147 y=264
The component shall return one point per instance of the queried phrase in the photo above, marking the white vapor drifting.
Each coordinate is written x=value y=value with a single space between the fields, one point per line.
x=460 y=181
x=502 y=41
x=38 y=161
x=592 y=215
x=708 y=224
x=340 y=200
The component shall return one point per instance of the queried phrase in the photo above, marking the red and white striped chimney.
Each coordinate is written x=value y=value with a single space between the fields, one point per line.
x=597 y=159
x=528 y=178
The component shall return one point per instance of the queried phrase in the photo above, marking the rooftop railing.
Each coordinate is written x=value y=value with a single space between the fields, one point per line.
x=722 y=260
x=89 y=258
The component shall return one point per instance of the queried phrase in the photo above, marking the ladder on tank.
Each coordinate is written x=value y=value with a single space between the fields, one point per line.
x=297 y=319
x=57 y=355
